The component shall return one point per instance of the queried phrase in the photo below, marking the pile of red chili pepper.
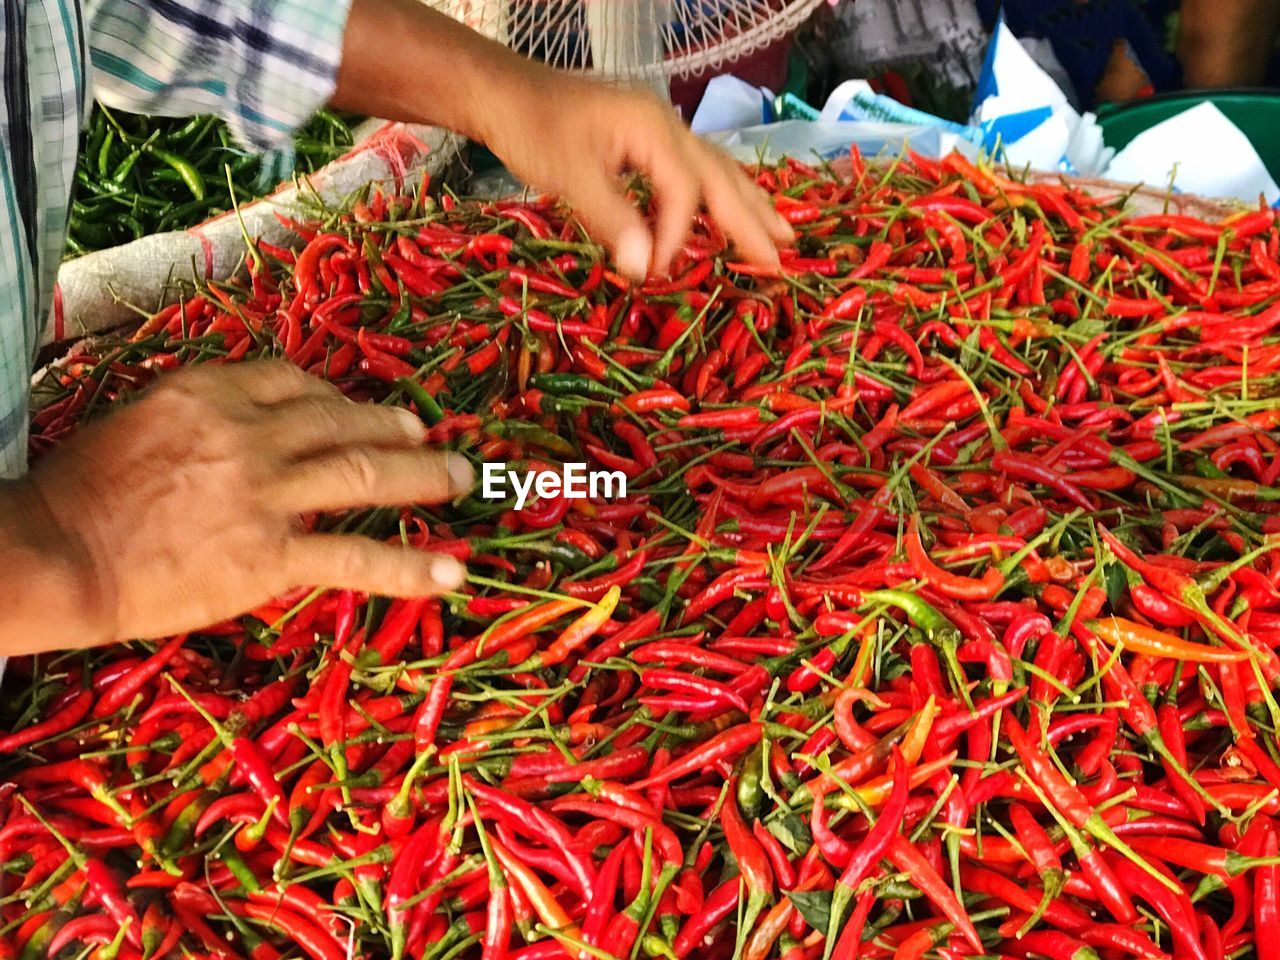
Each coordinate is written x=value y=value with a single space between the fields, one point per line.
x=939 y=618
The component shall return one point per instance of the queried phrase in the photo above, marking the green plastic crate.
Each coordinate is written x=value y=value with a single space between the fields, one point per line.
x=1255 y=112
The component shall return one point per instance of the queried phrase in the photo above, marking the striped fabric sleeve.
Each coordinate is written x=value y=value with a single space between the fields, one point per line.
x=264 y=65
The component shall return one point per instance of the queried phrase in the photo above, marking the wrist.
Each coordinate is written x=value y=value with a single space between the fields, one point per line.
x=503 y=86
x=405 y=61
x=57 y=600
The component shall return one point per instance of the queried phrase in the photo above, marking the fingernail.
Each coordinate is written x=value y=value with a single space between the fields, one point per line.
x=413 y=426
x=461 y=475
x=634 y=250
x=448 y=572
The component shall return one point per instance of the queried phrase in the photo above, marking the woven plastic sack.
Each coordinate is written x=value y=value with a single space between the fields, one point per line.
x=1140 y=200
x=106 y=289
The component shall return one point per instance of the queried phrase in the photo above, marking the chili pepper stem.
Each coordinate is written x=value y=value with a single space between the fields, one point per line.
x=1099 y=829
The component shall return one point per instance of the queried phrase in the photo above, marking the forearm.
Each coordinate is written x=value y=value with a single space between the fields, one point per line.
x=405 y=61
x=45 y=589
x=1226 y=43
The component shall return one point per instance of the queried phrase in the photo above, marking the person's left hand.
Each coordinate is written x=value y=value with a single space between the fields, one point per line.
x=574 y=137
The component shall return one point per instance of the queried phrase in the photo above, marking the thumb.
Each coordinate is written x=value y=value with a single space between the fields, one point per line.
x=615 y=223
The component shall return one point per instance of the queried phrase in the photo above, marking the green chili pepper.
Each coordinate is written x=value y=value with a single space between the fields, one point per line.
x=244 y=162
x=570 y=405
x=404 y=314
x=188 y=130
x=924 y=614
x=428 y=409
x=96 y=137
x=331 y=120
x=652 y=594
x=190 y=176
x=135 y=227
x=37 y=946
x=239 y=869
x=172 y=173
x=104 y=188
x=308 y=146
x=751 y=794
x=126 y=167
x=530 y=433
x=575 y=384
x=937 y=628
x=180 y=216
x=1205 y=467
x=104 y=153
x=90 y=234
x=183 y=828
x=567 y=555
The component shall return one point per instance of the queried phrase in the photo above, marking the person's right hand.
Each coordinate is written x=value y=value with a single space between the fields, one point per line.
x=183 y=508
x=574 y=136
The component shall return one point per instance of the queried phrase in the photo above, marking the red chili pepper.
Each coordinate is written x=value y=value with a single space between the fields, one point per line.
x=720 y=419
x=960 y=588
x=396 y=630
x=307 y=265
x=729 y=743
x=124 y=689
x=1266 y=899
x=541 y=282
x=752 y=861
x=845 y=305
x=1025 y=468
x=718 y=905
x=907 y=858
x=647 y=401
x=1174 y=909
x=68 y=715
x=867 y=520
x=708 y=693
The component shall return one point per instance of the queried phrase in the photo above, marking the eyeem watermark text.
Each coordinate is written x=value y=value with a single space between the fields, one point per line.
x=574 y=482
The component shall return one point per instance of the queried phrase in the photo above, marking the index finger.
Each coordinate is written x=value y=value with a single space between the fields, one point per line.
x=356 y=477
x=741 y=208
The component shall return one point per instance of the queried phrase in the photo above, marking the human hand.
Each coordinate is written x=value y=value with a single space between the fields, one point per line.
x=183 y=508
x=563 y=134
x=573 y=137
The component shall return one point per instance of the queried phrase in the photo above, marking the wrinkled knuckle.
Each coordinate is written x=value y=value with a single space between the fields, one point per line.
x=282 y=368
x=251 y=471
x=222 y=435
x=279 y=548
x=182 y=377
x=184 y=404
x=356 y=564
x=360 y=471
x=184 y=380
x=323 y=418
